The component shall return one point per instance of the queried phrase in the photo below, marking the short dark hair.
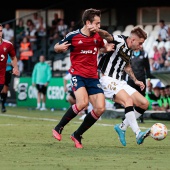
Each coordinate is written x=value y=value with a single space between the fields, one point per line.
x=89 y=14
x=161 y=21
x=167 y=86
x=139 y=32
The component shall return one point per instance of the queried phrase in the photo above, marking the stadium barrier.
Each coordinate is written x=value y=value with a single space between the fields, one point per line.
x=55 y=98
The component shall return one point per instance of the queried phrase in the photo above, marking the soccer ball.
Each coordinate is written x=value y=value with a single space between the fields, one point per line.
x=158 y=131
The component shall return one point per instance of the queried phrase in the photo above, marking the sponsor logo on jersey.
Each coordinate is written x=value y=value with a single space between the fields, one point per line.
x=86 y=52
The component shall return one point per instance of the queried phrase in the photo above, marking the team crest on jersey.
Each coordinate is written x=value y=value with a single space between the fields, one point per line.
x=72 y=70
x=5 y=49
x=95 y=41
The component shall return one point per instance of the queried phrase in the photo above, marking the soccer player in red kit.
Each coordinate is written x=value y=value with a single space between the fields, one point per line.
x=84 y=45
x=6 y=47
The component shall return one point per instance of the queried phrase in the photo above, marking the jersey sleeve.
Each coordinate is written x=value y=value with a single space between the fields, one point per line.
x=11 y=51
x=34 y=74
x=68 y=38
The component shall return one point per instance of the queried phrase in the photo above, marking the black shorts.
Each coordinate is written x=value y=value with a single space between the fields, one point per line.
x=41 y=88
x=1 y=87
x=132 y=84
x=8 y=75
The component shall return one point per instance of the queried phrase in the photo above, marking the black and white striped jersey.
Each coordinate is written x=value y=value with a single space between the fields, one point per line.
x=112 y=63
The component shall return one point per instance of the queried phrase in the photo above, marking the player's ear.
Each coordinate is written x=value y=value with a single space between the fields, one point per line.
x=88 y=22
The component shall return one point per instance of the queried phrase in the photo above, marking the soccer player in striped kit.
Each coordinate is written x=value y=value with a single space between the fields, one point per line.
x=112 y=65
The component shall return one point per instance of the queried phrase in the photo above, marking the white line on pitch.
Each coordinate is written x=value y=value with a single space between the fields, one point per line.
x=53 y=120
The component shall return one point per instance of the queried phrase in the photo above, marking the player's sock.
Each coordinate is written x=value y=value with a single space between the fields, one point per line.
x=43 y=105
x=3 y=99
x=69 y=115
x=139 y=113
x=38 y=105
x=86 y=111
x=89 y=120
x=130 y=116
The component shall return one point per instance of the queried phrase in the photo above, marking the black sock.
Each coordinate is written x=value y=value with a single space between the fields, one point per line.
x=69 y=115
x=89 y=120
x=86 y=111
x=3 y=99
x=141 y=111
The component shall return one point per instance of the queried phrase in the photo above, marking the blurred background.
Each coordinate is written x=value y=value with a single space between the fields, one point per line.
x=22 y=21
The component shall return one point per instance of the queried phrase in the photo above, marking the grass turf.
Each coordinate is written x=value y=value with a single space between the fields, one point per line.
x=26 y=143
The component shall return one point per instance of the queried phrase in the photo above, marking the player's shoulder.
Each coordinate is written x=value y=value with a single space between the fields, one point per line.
x=119 y=38
x=7 y=42
x=73 y=33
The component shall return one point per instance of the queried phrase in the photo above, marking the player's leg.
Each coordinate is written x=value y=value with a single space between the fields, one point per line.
x=81 y=102
x=38 y=97
x=3 y=98
x=1 y=87
x=123 y=98
x=97 y=99
x=4 y=92
x=141 y=104
x=98 y=102
x=43 y=92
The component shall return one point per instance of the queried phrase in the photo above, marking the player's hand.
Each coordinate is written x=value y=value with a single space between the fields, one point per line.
x=59 y=48
x=92 y=28
x=140 y=84
x=46 y=84
x=15 y=71
x=64 y=46
x=110 y=47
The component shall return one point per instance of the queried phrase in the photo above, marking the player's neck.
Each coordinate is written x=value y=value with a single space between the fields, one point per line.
x=85 y=31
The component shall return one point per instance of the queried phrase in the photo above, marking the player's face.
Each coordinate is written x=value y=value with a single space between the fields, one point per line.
x=42 y=58
x=95 y=25
x=137 y=43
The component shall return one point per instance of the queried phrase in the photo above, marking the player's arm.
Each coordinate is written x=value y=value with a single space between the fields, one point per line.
x=60 y=48
x=105 y=35
x=129 y=71
x=147 y=66
x=65 y=85
x=15 y=66
x=107 y=48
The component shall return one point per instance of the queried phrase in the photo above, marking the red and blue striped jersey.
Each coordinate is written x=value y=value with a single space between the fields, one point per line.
x=83 y=53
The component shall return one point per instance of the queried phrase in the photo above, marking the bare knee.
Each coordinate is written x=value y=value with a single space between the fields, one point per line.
x=128 y=102
x=99 y=111
x=81 y=105
x=144 y=104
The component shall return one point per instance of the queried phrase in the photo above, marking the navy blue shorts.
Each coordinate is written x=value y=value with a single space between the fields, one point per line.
x=92 y=85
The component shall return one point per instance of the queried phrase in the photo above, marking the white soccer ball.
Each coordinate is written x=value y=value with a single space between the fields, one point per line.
x=158 y=131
